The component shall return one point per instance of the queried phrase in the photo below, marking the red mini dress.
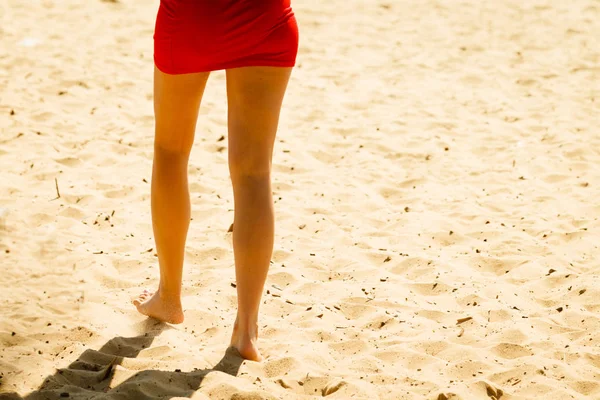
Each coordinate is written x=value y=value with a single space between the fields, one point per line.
x=208 y=35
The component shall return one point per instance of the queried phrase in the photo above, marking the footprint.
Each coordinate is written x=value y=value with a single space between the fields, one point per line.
x=430 y=288
x=432 y=315
x=389 y=357
x=491 y=391
x=333 y=387
x=586 y=388
x=282 y=279
x=254 y=395
x=448 y=396
x=511 y=351
x=322 y=385
x=72 y=212
x=413 y=267
x=431 y=347
x=349 y=347
x=120 y=193
x=158 y=352
x=354 y=311
x=69 y=161
x=281 y=366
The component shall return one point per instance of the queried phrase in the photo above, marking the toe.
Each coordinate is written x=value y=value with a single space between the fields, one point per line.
x=142 y=298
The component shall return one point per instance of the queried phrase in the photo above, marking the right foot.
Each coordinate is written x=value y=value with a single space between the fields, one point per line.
x=245 y=343
x=151 y=305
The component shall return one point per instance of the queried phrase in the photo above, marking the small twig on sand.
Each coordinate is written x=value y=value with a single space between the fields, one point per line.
x=57 y=191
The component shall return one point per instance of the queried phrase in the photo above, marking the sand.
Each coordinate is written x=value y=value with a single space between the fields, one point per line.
x=436 y=182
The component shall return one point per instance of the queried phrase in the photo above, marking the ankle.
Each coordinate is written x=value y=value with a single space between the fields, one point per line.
x=246 y=325
x=173 y=297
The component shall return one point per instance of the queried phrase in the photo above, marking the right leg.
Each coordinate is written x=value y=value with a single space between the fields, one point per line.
x=254 y=98
x=176 y=103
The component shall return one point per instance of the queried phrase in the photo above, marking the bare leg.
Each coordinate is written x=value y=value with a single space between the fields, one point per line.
x=176 y=103
x=255 y=95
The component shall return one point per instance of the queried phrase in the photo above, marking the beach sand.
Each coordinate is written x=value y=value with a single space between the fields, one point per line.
x=436 y=178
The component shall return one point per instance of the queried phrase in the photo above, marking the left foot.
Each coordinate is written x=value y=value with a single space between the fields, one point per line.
x=244 y=341
x=152 y=305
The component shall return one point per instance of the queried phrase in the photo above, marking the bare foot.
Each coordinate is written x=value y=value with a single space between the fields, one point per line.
x=245 y=343
x=152 y=305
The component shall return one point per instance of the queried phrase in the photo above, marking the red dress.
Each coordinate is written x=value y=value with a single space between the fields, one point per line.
x=208 y=35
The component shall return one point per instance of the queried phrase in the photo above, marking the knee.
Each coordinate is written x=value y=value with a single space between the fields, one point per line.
x=249 y=165
x=174 y=145
x=170 y=156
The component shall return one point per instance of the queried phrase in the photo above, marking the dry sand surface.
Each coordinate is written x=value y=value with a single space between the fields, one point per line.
x=437 y=192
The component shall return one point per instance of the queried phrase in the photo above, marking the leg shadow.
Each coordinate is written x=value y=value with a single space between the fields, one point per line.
x=91 y=374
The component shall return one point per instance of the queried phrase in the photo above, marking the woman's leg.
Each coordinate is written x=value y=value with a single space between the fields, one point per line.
x=254 y=96
x=176 y=103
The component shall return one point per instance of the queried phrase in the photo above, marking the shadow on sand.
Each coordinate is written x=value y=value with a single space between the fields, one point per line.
x=91 y=374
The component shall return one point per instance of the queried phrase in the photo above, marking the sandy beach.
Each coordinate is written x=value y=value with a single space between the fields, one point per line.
x=436 y=184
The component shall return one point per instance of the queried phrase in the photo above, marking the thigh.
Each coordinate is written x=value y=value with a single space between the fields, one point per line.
x=177 y=101
x=254 y=98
